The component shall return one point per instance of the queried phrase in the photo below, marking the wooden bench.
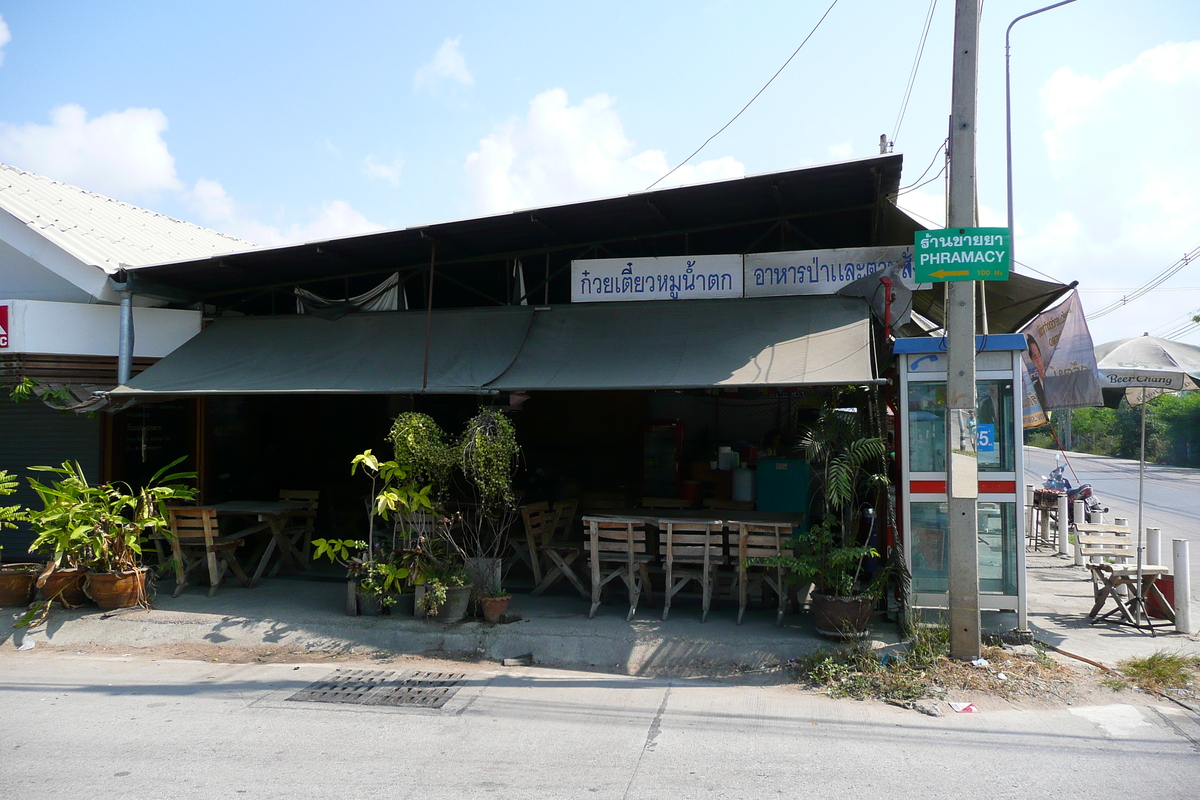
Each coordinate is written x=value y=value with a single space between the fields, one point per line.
x=1096 y=542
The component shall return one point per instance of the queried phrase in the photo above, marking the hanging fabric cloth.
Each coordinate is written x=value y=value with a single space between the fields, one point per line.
x=384 y=297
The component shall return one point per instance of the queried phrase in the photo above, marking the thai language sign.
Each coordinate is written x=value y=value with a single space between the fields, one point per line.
x=962 y=254
x=822 y=271
x=799 y=272
x=601 y=280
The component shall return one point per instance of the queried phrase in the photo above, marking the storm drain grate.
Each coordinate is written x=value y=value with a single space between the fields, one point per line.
x=424 y=689
x=343 y=686
x=384 y=688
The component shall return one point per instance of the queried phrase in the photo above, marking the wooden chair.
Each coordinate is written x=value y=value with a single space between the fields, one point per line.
x=539 y=521
x=617 y=549
x=665 y=502
x=195 y=543
x=302 y=525
x=693 y=549
x=760 y=540
x=560 y=548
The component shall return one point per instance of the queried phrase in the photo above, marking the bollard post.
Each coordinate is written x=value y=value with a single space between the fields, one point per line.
x=1124 y=523
x=1183 y=587
x=1030 y=532
x=1063 y=526
x=1080 y=516
x=1154 y=546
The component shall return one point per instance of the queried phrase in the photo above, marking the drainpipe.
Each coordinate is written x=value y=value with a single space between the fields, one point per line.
x=125 y=345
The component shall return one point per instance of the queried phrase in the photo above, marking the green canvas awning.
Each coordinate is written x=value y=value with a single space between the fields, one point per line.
x=786 y=341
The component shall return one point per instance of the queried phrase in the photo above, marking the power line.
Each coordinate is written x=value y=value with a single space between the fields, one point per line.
x=752 y=99
x=912 y=75
x=932 y=161
x=941 y=172
x=1152 y=284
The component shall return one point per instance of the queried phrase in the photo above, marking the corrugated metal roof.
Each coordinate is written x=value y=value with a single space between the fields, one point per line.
x=103 y=232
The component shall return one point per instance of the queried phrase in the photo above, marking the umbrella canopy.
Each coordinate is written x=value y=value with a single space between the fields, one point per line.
x=1157 y=365
x=1140 y=369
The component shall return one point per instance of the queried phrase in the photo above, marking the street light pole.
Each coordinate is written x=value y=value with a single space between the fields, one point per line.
x=1008 y=118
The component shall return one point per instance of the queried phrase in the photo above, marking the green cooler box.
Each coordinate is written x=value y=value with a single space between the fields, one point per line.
x=782 y=485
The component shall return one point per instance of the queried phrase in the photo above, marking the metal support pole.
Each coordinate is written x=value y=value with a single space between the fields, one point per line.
x=1030 y=516
x=962 y=464
x=1139 y=611
x=1183 y=586
x=125 y=345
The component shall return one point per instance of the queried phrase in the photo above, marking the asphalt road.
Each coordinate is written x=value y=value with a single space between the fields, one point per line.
x=77 y=726
x=1172 y=495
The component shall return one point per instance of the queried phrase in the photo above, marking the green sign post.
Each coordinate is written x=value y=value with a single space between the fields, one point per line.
x=961 y=254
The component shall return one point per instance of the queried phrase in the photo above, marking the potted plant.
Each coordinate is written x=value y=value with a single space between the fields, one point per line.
x=850 y=475
x=101 y=528
x=379 y=575
x=16 y=580
x=485 y=457
x=378 y=579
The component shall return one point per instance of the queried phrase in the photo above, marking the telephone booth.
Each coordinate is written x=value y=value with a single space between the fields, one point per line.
x=998 y=436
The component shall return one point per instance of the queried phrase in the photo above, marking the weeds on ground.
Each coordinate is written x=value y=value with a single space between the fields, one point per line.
x=926 y=670
x=1161 y=670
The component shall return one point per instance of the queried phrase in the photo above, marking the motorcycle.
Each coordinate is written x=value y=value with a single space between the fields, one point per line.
x=1057 y=481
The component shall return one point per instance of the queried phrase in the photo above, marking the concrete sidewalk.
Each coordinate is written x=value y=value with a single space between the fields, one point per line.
x=308 y=615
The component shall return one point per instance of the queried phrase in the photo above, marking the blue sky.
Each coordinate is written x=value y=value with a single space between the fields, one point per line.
x=297 y=121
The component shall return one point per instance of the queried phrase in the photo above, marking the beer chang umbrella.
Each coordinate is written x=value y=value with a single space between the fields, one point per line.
x=1139 y=370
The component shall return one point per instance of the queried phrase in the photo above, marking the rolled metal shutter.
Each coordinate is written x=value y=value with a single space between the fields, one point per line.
x=32 y=434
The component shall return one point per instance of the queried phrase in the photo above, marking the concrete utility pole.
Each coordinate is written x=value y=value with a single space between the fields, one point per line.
x=962 y=465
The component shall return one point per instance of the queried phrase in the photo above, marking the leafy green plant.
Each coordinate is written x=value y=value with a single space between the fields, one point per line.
x=101 y=528
x=486 y=458
x=380 y=575
x=849 y=472
x=422 y=451
x=9 y=515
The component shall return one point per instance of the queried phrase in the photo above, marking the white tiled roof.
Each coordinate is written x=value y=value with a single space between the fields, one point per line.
x=103 y=232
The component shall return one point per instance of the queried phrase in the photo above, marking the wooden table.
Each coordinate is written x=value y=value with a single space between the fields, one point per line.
x=273 y=516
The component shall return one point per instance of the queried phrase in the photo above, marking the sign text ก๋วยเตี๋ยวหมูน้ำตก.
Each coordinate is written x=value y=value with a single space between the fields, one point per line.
x=961 y=254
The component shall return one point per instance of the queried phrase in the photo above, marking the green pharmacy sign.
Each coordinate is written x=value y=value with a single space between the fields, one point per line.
x=962 y=254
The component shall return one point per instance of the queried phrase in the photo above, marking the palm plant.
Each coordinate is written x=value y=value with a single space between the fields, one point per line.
x=849 y=474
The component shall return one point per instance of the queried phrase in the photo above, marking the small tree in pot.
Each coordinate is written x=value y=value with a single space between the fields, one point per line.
x=16 y=580
x=850 y=475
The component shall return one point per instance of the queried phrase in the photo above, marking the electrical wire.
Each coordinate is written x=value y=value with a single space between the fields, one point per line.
x=941 y=172
x=1149 y=286
x=752 y=99
x=932 y=161
x=912 y=75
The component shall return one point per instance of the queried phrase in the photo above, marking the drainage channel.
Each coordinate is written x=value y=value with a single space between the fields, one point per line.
x=414 y=688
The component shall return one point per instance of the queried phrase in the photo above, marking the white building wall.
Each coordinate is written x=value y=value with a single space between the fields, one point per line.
x=52 y=328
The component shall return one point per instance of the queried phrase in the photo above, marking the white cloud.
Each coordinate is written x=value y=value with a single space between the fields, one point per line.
x=447 y=67
x=562 y=153
x=120 y=154
x=388 y=172
x=5 y=37
x=842 y=150
x=217 y=209
x=1121 y=204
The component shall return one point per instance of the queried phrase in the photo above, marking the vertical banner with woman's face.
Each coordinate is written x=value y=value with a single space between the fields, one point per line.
x=1060 y=363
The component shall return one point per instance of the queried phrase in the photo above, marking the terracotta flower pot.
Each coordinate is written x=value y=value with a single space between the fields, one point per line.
x=117 y=589
x=66 y=585
x=493 y=607
x=842 y=617
x=16 y=585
